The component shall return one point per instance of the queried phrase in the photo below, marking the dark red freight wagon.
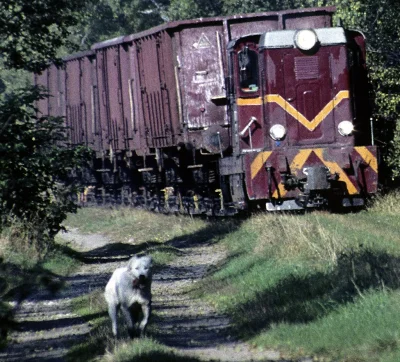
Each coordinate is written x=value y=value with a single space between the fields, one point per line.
x=220 y=114
x=80 y=100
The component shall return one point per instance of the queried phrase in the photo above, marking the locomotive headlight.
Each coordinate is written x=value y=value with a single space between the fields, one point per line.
x=305 y=39
x=277 y=132
x=345 y=128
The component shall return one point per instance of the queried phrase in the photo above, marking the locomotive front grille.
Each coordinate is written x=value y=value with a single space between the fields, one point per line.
x=306 y=67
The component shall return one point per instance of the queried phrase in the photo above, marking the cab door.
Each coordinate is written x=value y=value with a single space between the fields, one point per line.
x=248 y=95
x=308 y=89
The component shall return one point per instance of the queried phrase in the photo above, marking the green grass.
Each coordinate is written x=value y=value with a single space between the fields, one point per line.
x=145 y=350
x=366 y=330
x=100 y=345
x=137 y=226
x=135 y=231
x=23 y=270
x=319 y=284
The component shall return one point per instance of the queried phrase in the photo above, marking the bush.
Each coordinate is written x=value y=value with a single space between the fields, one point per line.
x=36 y=165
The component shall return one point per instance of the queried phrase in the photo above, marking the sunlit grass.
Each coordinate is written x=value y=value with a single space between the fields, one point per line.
x=313 y=284
x=138 y=226
x=100 y=345
x=366 y=330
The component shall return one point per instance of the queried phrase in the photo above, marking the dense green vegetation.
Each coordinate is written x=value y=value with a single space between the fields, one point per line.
x=35 y=169
x=35 y=162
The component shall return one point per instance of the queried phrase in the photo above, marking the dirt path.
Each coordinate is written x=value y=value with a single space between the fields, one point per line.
x=48 y=328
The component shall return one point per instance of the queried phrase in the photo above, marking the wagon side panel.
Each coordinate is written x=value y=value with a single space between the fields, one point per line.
x=157 y=88
x=202 y=75
x=73 y=101
x=239 y=27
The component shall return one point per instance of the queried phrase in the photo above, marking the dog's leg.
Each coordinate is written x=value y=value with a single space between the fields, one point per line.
x=146 y=309
x=129 y=320
x=113 y=313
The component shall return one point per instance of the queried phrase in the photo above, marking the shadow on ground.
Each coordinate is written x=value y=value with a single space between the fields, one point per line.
x=112 y=252
x=305 y=299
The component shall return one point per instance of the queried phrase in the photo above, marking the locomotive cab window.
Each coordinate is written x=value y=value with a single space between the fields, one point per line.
x=248 y=70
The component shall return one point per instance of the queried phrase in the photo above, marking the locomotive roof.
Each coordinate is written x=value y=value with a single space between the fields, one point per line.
x=200 y=21
x=285 y=38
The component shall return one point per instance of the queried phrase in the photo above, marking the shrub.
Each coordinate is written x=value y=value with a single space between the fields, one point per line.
x=36 y=165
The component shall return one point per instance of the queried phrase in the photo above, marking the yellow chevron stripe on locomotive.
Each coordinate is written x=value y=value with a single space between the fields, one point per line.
x=353 y=168
x=279 y=100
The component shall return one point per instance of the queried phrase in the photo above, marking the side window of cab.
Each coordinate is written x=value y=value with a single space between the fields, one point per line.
x=248 y=70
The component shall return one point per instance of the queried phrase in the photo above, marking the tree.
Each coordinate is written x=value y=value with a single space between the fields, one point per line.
x=105 y=19
x=190 y=9
x=35 y=166
x=35 y=162
x=380 y=23
x=31 y=31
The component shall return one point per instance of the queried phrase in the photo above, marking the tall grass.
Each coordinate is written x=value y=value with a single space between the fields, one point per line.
x=293 y=282
x=134 y=226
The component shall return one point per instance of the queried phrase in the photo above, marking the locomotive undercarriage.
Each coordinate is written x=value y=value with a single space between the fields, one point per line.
x=167 y=183
x=317 y=189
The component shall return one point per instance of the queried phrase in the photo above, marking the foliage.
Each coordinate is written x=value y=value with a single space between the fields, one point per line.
x=35 y=167
x=106 y=19
x=379 y=22
x=32 y=31
x=189 y=9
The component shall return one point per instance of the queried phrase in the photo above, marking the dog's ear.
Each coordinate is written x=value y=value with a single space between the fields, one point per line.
x=149 y=260
x=131 y=262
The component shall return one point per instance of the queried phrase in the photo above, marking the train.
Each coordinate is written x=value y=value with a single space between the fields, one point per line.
x=266 y=111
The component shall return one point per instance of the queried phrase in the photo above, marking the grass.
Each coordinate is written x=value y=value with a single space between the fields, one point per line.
x=100 y=345
x=366 y=330
x=134 y=231
x=23 y=270
x=322 y=285
x=92 y=308
x=145 y=350
x=134 y=226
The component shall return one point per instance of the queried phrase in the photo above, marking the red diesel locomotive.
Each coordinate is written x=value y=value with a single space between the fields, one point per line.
x=222 y=114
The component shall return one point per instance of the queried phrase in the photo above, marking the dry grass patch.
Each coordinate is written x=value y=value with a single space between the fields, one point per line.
x=135 y=226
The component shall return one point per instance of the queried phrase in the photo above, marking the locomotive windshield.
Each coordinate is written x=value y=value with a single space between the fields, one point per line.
x=248 y=70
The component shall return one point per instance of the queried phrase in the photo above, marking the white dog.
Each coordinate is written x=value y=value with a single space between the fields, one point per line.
x=129 y=289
